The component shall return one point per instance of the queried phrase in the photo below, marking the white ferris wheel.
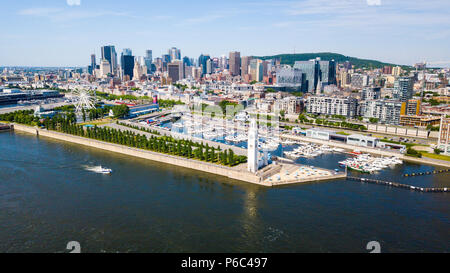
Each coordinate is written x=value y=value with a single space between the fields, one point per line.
x=83 y=100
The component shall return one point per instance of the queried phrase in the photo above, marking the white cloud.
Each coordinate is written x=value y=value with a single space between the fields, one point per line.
x=374 y=2
x=73 y=2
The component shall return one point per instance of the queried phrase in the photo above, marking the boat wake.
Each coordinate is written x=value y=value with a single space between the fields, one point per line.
x=98 y=169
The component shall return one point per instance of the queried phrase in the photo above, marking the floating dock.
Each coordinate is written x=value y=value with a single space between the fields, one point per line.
x=398 y=185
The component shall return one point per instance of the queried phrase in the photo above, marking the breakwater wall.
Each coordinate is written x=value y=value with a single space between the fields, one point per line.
x=398 y=185
x=237 y=173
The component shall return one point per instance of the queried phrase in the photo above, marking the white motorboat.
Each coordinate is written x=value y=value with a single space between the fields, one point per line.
x=100 y=170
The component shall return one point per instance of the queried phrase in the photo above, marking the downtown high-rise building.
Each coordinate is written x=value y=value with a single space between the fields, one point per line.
x=310 y=70
x=245 y=62
x=175 y=54
x=148 y=60
x=109 y=54
x=316 y=71
x=235 y=63
x=175 y=71
x=93 y=61
x=127 y=61
x=202 y=62
x=93 y=65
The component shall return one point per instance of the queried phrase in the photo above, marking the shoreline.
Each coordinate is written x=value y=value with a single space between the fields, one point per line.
x=239 y=172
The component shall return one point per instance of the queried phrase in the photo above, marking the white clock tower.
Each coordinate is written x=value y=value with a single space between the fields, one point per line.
x=253 y=147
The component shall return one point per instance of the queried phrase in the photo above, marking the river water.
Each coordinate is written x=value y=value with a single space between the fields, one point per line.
x=48 y=198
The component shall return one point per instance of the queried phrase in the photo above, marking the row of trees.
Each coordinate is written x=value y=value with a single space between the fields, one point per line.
x=22 y=117
x=302 y=118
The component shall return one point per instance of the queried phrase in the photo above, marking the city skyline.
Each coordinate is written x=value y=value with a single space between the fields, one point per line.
x=399 y=32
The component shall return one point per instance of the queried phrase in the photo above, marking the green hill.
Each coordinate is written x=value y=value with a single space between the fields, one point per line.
x=290 y=59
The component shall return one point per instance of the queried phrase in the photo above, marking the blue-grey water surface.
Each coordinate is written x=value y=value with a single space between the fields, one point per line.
x=48 y=198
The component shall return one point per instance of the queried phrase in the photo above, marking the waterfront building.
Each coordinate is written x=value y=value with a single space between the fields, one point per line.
x=235 y=63
x=363 y=141
x=319 y=134
x=143 y=109
x=252 y=156
x=419 y=121
x=444 y=135
x=327 y=105
x=386 y=111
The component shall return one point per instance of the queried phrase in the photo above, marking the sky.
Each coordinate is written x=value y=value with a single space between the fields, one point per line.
x=66 y=32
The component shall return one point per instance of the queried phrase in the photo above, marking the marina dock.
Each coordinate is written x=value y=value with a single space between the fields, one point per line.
x=398 y=185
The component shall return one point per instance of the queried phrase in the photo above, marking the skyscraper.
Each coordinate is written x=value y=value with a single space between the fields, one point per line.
x=127 y=52
x=93 y=61
x=245 y=62
x=235 y=63
x=127 y=63
x=256 y=70
x=316 y=70
x=109 y=54
x=175 y=71
x=175 y=54
x=310 y=71
x=202 y=60
x=327 y=72
x=148 y=59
